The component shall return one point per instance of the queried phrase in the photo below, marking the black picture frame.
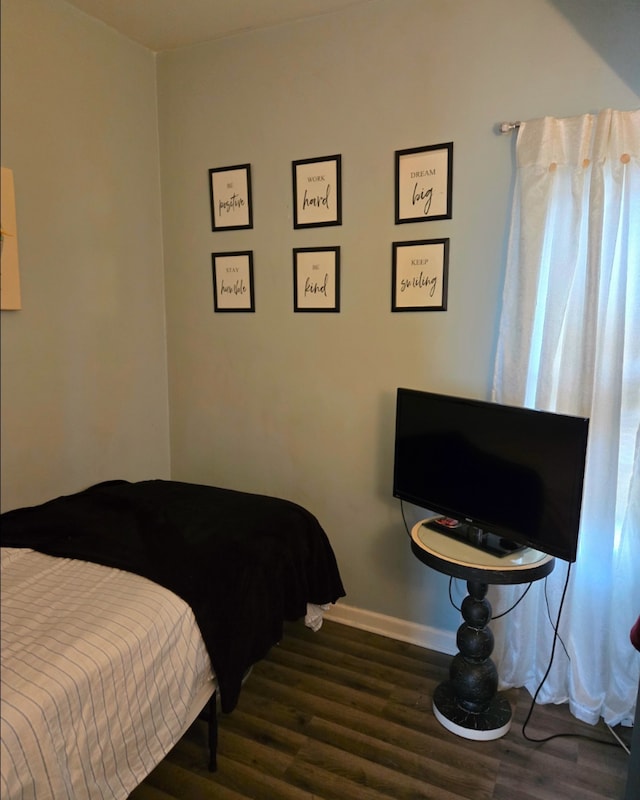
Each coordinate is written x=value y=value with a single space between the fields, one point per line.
x=316 y=279
x=420 y=275
x=317 y=192
x=233 y=281
x=423 y=183
x=230 y=197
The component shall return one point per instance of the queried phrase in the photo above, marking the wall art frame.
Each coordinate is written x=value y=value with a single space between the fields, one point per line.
x=233 y=281
x=10 y=296
x=420 y=275
x=423 y=183
x=317 y=192
x=230 y=197
x=316 y=279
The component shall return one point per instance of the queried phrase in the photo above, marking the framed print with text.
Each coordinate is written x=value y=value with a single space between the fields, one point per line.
x=419 y=275
x=423 y=183
x=230 y=197
x=316 y=279
x=317 y=192
x=233 y=281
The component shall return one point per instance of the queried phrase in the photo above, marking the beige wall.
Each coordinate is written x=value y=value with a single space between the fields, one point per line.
x=84 y=384
x=302 y=405
x=297 y=405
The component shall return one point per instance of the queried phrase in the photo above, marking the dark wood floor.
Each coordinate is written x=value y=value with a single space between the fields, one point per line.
x=343 y=714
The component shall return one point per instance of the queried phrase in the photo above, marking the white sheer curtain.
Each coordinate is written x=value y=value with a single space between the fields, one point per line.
x=569 y=341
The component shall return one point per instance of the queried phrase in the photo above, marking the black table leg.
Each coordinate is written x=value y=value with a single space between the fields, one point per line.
x=468 y=703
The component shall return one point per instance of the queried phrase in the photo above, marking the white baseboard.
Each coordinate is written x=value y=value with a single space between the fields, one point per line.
x=412 y=632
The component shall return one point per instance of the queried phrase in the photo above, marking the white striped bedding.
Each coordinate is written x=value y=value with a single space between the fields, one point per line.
x=102 y=672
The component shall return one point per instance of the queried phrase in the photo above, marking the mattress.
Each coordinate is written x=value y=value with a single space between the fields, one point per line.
x=243 y=562
x=102 y=671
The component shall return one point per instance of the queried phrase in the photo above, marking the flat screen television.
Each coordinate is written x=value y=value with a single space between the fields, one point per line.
x=502 y=477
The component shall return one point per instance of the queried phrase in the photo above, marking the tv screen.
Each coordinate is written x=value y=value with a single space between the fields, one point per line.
x=501 y=476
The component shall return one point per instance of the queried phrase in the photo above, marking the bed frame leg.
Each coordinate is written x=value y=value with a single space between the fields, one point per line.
x=213 y=732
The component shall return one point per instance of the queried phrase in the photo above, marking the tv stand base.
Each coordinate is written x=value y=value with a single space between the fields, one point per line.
x=491 y=723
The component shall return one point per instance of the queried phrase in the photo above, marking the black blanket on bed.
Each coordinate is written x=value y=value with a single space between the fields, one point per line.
x=243 y=562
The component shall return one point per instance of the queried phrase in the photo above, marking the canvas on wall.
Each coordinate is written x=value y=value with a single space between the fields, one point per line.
x=9 y=273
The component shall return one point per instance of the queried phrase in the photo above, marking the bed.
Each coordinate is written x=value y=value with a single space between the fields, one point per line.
x=128 y=608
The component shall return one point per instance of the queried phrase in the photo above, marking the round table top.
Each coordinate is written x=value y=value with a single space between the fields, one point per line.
x=461 y=560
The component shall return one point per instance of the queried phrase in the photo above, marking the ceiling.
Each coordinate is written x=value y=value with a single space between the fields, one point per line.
x=168 y=24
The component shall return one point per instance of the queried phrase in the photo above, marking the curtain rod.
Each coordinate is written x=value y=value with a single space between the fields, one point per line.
x=507 y=127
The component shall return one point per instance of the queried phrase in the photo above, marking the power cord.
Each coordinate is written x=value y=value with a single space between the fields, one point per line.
x=546 y=600
x=519 y=600
x=494 y=616
x=546 y=674
x=556 y=637
x=404 y=519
